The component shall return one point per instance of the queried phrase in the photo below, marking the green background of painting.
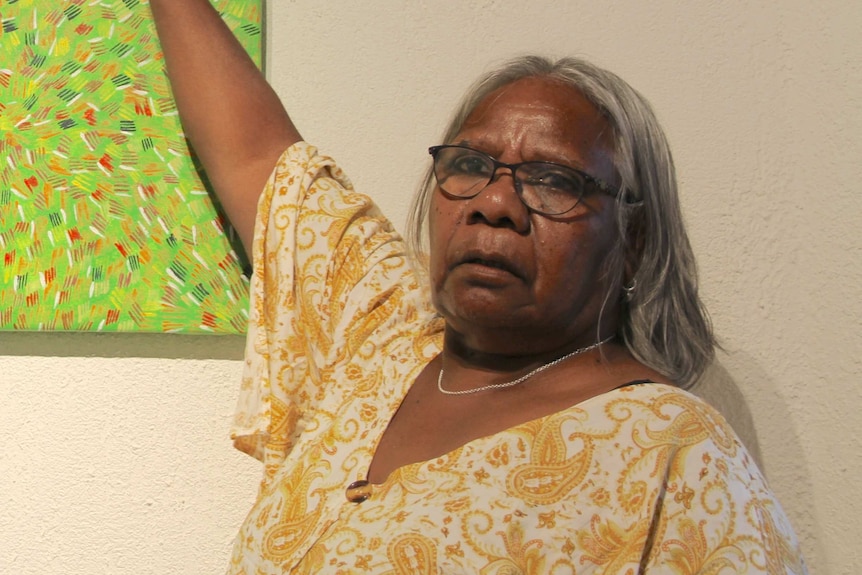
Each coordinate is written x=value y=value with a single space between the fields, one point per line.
x=105 y=224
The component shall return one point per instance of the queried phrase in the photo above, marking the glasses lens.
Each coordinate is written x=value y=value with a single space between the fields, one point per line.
x=550 y=188
x=461 y=171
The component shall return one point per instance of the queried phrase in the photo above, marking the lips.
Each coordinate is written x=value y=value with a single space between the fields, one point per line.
x=490 y=260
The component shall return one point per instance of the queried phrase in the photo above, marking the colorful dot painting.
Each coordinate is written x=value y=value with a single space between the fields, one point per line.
x=105 y=224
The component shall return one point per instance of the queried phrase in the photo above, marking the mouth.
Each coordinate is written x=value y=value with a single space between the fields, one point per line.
x=491 y=261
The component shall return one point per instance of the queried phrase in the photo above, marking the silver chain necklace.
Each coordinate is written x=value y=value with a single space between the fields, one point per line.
x=521 y=379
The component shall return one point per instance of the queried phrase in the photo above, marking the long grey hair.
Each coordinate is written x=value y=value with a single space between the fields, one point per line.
x=663 y=322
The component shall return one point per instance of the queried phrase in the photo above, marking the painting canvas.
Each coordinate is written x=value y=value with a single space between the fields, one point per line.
x=105 y=222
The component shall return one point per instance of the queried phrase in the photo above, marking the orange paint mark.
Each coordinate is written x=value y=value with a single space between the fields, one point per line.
x=59 y=167
x=208 y=319
x=74 y=234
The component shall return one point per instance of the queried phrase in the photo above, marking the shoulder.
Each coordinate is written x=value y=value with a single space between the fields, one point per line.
x=649 y=399
x=302 y=172
x=656 y=422
x=675 y=416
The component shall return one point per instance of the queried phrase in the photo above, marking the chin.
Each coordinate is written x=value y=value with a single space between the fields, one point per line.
x=482 y=312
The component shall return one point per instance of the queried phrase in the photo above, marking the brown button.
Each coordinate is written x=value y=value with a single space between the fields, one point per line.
x=358 y=491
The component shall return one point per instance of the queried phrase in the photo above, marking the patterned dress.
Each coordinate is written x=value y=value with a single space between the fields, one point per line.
x=643 y=479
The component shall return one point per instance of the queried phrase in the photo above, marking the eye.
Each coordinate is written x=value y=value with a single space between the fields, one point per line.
x=548 y=178
x=470 y=163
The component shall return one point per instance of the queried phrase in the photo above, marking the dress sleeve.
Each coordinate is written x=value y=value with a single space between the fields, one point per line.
x=717 y=513
x=328 y=271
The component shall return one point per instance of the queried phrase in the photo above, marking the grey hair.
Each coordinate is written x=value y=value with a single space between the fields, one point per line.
x=663 y=322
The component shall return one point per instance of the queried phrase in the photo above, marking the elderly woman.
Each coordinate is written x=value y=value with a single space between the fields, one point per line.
x=514 y=408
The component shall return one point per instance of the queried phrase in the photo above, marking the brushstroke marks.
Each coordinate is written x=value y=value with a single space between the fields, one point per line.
x=105 y=224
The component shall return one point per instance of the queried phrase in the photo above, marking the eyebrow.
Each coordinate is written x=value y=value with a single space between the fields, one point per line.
x=578 y=165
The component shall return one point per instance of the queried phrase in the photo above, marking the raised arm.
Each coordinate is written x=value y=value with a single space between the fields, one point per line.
x=233 y=118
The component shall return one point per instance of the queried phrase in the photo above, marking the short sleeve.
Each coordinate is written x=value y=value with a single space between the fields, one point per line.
x=328 y=271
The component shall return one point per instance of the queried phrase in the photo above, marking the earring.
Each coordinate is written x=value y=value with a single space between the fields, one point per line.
x=629 y=290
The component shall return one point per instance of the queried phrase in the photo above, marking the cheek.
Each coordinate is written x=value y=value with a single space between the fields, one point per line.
x=576 y=258
x=444 y=215
x=433 y=221
x=437 y=238
x=444 y=221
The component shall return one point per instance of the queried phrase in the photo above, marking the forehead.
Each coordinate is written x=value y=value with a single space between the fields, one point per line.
x=541 y=117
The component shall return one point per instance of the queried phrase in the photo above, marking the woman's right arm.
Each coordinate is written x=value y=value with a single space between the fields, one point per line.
x=236 y=123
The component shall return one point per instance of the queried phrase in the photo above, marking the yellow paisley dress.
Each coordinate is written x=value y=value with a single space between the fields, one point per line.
x=644 y=479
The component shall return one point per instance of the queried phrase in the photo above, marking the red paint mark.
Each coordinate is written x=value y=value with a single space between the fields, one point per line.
x=113 y=316
x=32 y=299
x=74 y=234
x=31 y=182
x=90 y=116
x=98 y=195
x=83 y=29
x=50 y=275
x=149 y=191
x=8 y=258
x=105 y=161
x=143 y=109
x=122 y=250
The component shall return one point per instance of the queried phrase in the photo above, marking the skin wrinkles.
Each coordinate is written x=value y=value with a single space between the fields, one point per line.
x=516 y=289
x=593 y=133
x=510 y=282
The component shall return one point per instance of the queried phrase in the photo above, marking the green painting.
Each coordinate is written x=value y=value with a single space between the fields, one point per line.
x=105 y=224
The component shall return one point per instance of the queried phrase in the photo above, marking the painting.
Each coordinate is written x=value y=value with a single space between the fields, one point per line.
x=106 y=224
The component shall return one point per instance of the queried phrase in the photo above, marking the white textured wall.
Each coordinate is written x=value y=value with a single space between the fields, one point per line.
x=114 y=455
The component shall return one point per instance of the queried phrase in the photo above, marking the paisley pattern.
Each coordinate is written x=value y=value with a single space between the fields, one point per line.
x=644 y=479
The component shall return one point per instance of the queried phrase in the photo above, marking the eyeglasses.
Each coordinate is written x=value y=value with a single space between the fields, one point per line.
x=544 y=187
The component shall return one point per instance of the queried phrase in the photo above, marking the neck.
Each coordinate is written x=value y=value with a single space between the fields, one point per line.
x=523 y=378
x=485 y=364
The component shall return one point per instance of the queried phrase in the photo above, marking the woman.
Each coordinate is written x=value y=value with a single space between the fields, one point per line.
x=527 y=421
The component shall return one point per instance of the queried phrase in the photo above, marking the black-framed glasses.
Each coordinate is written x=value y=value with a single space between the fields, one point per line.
x=544 y=187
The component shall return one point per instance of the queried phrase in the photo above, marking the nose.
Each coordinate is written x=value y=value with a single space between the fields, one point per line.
x=499 y=204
